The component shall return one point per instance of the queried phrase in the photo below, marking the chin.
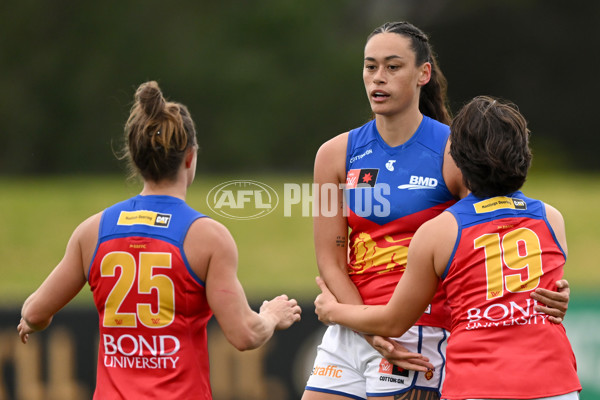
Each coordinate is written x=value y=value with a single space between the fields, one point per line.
x=382 y=111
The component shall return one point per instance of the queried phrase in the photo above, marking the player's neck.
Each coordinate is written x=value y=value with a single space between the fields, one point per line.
x=165 y=188
x=397 y=129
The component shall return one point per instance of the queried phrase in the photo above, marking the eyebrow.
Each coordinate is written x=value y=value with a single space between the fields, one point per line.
x=386 y=59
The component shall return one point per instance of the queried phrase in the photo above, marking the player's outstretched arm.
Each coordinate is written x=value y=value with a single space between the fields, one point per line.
x=63 y=283
x=244 y=328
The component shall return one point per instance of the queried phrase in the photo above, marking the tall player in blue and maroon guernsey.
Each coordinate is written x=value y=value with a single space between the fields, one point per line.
x=490 y=251
x=396 y=174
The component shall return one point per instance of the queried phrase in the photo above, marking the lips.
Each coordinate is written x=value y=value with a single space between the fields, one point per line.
x=379 y=95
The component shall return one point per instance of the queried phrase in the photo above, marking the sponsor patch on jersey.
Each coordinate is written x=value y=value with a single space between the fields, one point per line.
x=144 y=217
x=420 y=182
x=366 y=177
x=499 y=203
x=385 y=367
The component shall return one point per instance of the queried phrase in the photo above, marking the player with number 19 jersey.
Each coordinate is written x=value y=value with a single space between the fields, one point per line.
x=152 y=308
x=505 y=249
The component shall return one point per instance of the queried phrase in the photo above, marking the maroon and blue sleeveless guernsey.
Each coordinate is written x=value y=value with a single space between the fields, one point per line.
x=152 y=307
x=499 y=346
x=390 y=192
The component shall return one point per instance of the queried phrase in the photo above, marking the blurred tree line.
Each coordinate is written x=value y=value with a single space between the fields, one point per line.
x=268 y=81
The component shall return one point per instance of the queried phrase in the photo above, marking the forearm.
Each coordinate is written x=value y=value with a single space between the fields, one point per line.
x=260 y=330
x=340 y=284
x=372 y=320
x=35 y=315
x=246 y=332
x=39 y=326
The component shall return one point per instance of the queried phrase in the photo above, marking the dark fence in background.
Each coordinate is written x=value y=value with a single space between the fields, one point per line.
x=60 y=363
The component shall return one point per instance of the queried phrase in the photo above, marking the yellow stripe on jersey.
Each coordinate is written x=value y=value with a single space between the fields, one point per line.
x=144 y=217
x=499 y=202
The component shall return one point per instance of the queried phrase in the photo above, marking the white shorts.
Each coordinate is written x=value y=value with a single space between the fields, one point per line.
x=347 y=365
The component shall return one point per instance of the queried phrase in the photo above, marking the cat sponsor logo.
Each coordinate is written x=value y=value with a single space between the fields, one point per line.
x=144 y=217
x=499 y=203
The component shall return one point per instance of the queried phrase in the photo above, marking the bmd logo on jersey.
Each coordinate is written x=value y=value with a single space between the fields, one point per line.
x=420 y=182
x=242 y=199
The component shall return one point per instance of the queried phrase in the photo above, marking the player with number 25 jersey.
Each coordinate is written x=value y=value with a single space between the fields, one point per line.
x=152 y=307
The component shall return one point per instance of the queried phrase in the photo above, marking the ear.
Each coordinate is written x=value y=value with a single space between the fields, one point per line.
x=189 y=157
x=424 y=74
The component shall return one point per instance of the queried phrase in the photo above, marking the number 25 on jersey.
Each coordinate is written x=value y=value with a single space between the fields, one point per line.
x=146 y=281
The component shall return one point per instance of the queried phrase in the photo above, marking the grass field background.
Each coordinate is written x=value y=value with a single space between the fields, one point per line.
x=276 y=252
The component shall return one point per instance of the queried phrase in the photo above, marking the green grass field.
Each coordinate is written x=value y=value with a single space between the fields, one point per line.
x=276 y=252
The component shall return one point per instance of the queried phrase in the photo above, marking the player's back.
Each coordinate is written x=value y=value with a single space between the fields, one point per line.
x=500 y=346
x=152 y=307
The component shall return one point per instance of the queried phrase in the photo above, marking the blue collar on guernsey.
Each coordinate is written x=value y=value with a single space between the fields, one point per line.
x=161 y=217
x=385 y=184
x=425 y=122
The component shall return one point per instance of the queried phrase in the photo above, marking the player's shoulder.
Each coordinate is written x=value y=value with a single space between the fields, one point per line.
x=436 y=238
x=443 y=227
x=335 y=145
x=433 y=135
x=552 y=211
x=330 y=161
x=445 y=219
x=86 y=233
x=437 y=125
x=555 y=218
x=209 y=227
x=211 y=232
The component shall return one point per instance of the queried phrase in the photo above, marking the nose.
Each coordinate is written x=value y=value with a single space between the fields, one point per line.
x=379 y=76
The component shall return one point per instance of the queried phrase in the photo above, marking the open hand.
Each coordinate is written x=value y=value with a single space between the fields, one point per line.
x=399 y=355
